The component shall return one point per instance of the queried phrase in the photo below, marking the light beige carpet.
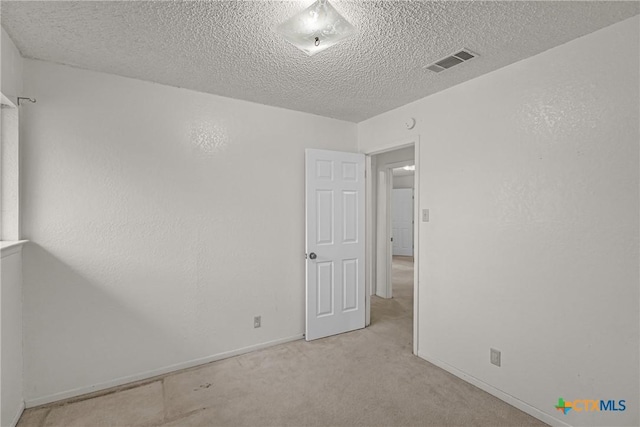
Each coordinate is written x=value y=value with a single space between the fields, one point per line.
x=363 y=378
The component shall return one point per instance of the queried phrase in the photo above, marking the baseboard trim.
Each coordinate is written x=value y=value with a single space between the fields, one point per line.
x=505 y=397
x=16 y=418
x=43 y=400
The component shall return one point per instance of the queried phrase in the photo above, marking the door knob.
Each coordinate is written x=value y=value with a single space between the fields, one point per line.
x=313 y=255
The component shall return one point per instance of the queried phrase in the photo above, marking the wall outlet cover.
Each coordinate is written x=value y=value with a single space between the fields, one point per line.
x=495 y=357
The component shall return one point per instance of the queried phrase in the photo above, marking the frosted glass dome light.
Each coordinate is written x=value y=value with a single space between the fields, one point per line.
x=316 y=28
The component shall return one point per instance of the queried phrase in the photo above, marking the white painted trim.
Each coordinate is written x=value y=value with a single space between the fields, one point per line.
x=416 y=242
x=369 y=264
x=10 y=247
x=383 y=266
x=30 y=403
x=393 y=146
x=16 y=418
x=505 y=397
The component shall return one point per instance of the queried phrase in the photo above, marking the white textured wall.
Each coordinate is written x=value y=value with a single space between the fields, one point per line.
x=11 y=332
x=11 y=87
x=11 y=388
x=9 y=170
x=403 y=181
x=531 y=177
x=394 y=156
x=10 y=68
x=144 y=254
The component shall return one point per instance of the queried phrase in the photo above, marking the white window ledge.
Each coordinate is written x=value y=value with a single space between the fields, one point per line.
x=10 y=247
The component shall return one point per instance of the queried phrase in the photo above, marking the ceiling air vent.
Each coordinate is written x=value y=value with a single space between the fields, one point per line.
x=451 y=60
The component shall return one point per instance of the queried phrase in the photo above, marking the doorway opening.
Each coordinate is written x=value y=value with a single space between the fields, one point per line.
x=402 y=224
x=392 y=233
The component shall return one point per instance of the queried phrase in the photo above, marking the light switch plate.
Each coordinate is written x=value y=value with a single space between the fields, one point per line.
x=425 y=215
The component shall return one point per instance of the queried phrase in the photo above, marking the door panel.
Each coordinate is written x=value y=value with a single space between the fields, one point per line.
x=350 y=281
x=324 y=217
x=402 y=221
x=325 y=288
x=350 y=217
x=335 y=289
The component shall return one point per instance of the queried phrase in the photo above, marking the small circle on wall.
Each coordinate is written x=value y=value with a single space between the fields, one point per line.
x=410 y=123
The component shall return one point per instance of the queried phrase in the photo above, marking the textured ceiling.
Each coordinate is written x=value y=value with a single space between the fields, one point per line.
x=229 y=47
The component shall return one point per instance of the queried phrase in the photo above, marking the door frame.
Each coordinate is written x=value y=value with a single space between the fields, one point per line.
x=372 y=253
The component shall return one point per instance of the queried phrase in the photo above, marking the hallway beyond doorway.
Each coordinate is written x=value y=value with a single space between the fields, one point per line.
x=398 y=309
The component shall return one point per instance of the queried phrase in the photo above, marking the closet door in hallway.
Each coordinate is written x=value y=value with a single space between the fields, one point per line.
x=402 y=221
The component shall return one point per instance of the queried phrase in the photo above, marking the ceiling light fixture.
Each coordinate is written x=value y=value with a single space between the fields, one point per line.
x=316 y=28
x=410 y=168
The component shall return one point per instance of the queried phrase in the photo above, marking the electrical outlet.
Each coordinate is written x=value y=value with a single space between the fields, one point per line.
x=257 y=321
x=495 y=357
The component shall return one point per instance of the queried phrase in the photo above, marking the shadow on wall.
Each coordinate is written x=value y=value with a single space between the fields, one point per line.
x=76 y=317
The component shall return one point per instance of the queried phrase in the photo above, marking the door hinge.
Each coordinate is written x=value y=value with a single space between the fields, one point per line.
x=392 y=239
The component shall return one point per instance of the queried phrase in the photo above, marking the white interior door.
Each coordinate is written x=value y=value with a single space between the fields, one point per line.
x=402 y=221
x=335 y=221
